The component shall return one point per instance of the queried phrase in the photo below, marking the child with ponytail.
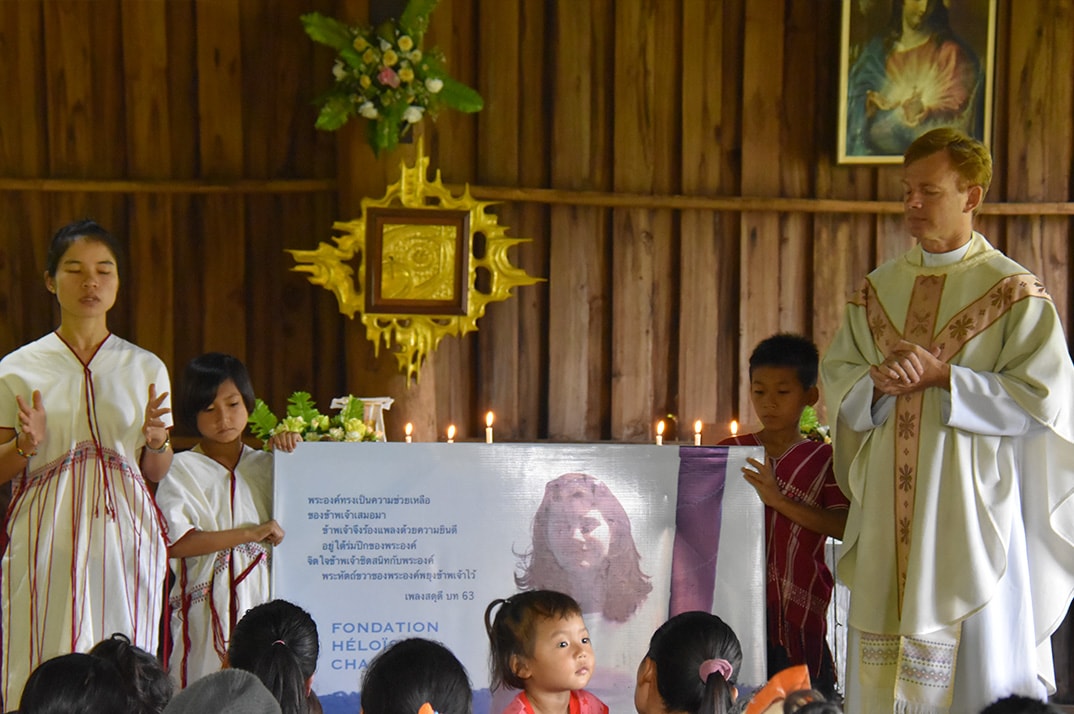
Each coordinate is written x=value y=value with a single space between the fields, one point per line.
x=690 y=667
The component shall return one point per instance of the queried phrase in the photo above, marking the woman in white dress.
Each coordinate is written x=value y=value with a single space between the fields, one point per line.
x=84 y=419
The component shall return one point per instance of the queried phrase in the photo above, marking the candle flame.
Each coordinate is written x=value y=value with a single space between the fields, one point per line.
x=451 y=432
x=734 y=428
x=488 y=419
x=660 y=428
x=408 y=429
x=697 y=426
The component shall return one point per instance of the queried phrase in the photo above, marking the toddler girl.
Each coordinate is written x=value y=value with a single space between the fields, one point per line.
x=539 y=643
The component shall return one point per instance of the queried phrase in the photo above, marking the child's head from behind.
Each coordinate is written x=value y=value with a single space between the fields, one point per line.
x=148 y=683
x=278 y=642
x=538 y=640
x=75 y=683
x=217 y=397
x=582 y=544
x=414 y=672
x=691 y=666
x=783 y=379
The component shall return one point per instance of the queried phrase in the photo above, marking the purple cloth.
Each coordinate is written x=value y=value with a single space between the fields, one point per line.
x=698 y=513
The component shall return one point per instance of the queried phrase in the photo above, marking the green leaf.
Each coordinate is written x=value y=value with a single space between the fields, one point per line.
x=415 y=18
x=352 y=57
x=809 y=422
x=457 y=95
x=300 y=404
x=353 y=409
x=327 y=30
x=262 y=421
x=334 y=114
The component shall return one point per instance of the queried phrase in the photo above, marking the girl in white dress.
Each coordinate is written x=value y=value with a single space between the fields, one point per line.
x=217 y=505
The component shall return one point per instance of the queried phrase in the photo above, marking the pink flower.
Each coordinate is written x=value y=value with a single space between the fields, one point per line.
x=388 y=77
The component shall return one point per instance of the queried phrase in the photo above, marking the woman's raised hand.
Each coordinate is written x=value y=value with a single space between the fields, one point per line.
x=31 y=421
x=153 y=428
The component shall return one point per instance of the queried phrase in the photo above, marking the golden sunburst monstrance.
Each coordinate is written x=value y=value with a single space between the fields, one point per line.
x=427 y=264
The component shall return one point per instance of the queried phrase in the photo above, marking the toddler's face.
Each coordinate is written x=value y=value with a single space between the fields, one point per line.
x=562 y=658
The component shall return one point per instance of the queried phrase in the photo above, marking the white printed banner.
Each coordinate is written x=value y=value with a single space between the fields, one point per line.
x=387 y=541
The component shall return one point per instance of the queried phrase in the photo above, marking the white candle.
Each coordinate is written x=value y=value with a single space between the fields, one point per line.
x=734 y=428
x=697 y=433
x=451 y=434
x=660 y=433
x=488 y=428
x=409 y=431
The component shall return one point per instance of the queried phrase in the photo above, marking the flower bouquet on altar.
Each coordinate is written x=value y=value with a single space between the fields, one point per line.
x=304 y=418
x=383 y=75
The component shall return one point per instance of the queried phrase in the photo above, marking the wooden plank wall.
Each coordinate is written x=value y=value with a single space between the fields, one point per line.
x=646 y=313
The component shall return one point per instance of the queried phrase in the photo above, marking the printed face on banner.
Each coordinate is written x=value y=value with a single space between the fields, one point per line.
x=583 y=546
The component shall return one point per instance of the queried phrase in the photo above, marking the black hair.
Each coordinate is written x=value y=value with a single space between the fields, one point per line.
x=809 y=701
x=512 y=632
x=148 y=684
x=788 y=350
x=1017 y=704
x=679 y=647
x=74 y=683
x=90 y=230
x=202 y=377
x=278 y=642
x=412 y=672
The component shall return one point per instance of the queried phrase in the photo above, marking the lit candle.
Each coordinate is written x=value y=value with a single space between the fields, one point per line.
x=734 y=428
x=488 y=428
x=697 y=433
x=409 y=431
x=660 y=433
x=451 y=434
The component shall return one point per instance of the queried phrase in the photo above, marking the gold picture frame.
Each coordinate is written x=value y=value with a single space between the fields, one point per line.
x=909 y=66
x=418 y=260
x=419 y=264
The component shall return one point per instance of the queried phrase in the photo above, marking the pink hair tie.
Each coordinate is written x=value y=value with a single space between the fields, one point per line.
x=280 y=642
x=715 y=665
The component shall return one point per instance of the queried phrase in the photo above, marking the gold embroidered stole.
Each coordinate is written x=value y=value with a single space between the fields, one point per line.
x=920 y=328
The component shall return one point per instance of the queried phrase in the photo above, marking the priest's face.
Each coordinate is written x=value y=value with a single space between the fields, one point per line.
x=938 y=207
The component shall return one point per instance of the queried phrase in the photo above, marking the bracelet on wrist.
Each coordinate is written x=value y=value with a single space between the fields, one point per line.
x=162 y=448
x=18 y=449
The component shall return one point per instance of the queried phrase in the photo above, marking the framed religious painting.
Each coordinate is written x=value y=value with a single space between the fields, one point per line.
x=909 y=66
x=417 y=261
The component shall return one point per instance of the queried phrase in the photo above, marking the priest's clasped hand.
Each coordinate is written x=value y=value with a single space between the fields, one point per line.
x=910 y=368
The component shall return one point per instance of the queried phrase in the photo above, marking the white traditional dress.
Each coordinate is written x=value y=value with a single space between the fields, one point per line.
x=85 y=555
x=212 y=592
x=959 y=544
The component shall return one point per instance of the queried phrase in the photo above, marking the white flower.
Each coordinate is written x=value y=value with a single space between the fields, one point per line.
x=385 y=45
x=434 y=85
x=335 y=434
x=339 y=70
x=413 y=114
x=368 y=110
x=352 y=436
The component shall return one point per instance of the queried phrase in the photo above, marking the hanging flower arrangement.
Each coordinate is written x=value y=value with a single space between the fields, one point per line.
x=383 y=76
